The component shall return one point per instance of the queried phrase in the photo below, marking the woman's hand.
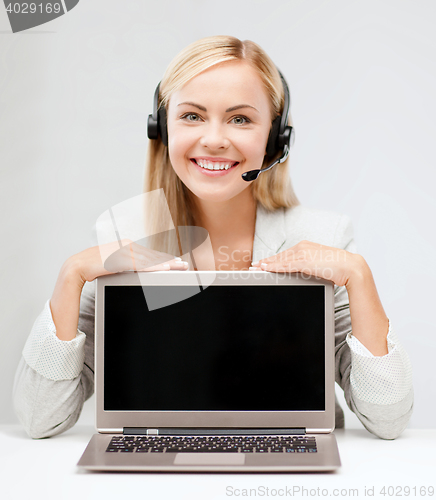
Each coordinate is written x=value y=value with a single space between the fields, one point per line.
x=97 y=261
x=368 y=319
x=112 y=258
x=333 y=264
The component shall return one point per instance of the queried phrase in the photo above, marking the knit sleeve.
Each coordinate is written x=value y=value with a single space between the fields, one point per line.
x=380 y=379
x=54 y=377
x=51 y=357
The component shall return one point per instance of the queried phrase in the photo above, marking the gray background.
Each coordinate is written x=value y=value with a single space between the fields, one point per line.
x=74 y=99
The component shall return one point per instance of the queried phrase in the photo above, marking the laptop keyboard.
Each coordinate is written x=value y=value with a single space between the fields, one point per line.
x=210 y=444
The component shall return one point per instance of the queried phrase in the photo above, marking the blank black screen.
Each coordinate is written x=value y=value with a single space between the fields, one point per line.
x=258 y=348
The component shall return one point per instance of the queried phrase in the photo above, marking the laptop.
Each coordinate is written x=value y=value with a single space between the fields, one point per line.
x=213 y=371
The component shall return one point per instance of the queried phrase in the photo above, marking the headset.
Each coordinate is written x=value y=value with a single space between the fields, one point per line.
x=281 y=136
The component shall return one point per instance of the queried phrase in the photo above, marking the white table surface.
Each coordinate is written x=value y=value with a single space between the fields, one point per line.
x=46 y=469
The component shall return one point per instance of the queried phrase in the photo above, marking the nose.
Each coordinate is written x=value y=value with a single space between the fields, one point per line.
x=214 y=137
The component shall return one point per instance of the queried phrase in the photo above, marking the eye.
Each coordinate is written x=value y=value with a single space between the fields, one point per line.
x=194 y=117
x=190 y=117
x=241 y=120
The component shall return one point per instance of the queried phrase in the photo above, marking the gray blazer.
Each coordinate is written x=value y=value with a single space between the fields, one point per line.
x=46 y=407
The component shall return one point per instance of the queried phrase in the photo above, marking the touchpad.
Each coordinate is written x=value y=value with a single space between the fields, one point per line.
x=209 y=459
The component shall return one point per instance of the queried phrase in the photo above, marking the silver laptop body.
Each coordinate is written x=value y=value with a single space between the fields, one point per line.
x=234 y=372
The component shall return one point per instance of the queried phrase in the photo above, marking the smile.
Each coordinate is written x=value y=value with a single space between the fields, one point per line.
x=214 y=165
x=214 y=168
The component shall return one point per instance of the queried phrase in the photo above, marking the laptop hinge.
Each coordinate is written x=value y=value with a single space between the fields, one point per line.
x=212 y=432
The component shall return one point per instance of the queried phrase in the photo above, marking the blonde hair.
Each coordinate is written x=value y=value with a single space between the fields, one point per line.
x=273 y=188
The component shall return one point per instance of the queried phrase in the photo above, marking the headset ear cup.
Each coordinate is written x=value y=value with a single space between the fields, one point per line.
x=152 y=131
x=162 y=121
x=272 y=146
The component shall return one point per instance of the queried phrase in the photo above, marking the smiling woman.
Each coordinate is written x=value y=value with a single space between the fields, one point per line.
x=219 y=103
x=221 y=96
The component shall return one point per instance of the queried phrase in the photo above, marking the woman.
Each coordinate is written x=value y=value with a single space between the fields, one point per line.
x=221 y=97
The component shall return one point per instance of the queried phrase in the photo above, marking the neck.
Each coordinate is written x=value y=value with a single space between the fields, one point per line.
x=234 y=218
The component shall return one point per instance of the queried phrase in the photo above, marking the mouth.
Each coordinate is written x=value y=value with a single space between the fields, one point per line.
x=214 y=165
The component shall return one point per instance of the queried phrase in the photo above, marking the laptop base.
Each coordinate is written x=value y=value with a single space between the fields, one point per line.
x=326 y=459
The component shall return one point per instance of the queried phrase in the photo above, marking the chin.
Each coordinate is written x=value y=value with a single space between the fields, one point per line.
x=213 y=197
x=220 y=196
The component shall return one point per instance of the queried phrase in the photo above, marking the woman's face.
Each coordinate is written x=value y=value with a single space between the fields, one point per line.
x=220 y=118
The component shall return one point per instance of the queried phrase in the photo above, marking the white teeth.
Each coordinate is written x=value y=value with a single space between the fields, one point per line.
x=213 y=166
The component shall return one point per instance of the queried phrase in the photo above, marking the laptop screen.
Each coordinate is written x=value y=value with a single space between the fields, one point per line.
x=228 y=348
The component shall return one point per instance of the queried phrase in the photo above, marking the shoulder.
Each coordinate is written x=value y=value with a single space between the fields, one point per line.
x=320 y=226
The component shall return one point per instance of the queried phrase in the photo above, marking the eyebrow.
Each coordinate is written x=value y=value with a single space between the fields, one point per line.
x=233 y=108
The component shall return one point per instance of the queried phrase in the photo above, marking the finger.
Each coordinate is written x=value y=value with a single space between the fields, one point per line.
x=280 y=258
x=158 y=267
x=166 y=266
x=148 y=253
x=144 y=257
x=178 y=264
x=281 y=267
x=144 y=263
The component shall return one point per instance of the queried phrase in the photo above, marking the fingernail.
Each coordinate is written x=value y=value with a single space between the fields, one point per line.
x=264 y=264
x=255 y=263
x=184 y=263
x=254 y=269
x=178 y=259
